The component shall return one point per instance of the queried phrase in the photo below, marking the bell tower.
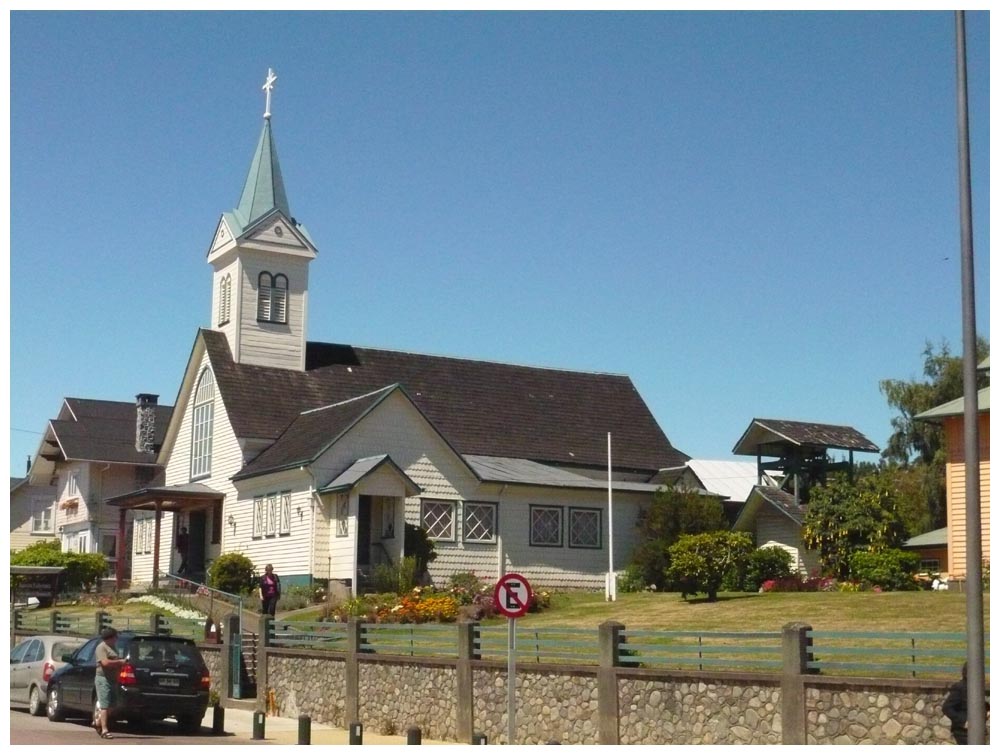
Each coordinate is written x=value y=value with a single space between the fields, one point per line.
x=260 y=259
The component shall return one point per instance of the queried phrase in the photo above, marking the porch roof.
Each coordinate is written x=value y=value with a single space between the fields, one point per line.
x=361 y=468
x=168 y=498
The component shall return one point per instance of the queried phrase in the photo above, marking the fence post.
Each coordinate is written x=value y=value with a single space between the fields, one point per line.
x=413 y=735
x=355 y=732
x=794 y=667
x=154 y=623
x=463 y=680
x=54 y=622
x=305 y=736
x=609 y=635
x=351 y=694
x=258 y=725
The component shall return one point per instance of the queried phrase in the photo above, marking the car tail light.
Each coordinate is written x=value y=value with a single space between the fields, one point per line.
x=127 y=674
x=206 y=681
x=47 y=670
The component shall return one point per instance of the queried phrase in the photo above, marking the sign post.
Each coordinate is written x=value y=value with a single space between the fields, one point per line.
x=512 y=596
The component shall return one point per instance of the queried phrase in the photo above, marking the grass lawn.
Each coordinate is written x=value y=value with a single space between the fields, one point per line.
x=922 y=611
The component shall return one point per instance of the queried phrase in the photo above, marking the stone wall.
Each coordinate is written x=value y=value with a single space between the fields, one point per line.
x=559 y=706
x=845 y=713
x=394 y=695
x=678 y=710
x=214 y=657
x=308 y=683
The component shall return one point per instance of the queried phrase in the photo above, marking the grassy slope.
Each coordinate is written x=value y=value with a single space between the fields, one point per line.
x=923 y=611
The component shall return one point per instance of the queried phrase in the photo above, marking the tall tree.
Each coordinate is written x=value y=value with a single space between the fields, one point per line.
x=920 y=445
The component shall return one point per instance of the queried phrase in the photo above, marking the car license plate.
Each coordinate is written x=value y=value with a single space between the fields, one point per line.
x=170 y=682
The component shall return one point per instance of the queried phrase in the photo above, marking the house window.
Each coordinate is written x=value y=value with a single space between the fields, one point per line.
x=584 y=528
x=150 y=536
x=41 y=518
x=479 y=524
x=343 y=507
x=438 y=518
x=71 y=486
x=272 y=514
x=285 y=522
x=225 y=298
x=201 y=426
x=258 y=516
x=546 y=526
x=272 y=298
x=930 y=565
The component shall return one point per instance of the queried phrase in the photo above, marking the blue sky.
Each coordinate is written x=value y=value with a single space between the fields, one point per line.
x=750 y=214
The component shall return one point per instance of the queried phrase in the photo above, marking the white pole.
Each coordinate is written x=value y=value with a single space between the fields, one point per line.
x=612 y=591
x=511 y=698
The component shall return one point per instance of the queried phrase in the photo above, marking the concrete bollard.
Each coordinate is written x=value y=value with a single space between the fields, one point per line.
x=478 y=738
x=305 y=735
x=355 y=733
x=258 y=724
x=413 y=735
x=218 y=720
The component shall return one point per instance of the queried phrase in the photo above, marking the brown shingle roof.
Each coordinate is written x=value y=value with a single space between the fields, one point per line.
x=105 y=431
x=771 y=437
x=485 y=408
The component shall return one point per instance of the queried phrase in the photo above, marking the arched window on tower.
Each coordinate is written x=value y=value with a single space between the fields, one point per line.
x=201 y=425
x=272 y=298
x=225 y=298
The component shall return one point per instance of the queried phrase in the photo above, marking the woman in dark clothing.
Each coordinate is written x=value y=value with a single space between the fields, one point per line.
x=269 y=590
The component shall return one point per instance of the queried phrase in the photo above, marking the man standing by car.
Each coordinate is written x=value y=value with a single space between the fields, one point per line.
x=108 y=664
x=269 y=591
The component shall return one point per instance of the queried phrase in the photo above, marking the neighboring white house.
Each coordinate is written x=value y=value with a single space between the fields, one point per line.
x=32 y=513
x=91 y=451
x=317 y=454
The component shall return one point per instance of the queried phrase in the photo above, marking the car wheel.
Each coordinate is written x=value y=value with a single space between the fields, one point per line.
x=189 y=724
x=36 y=705
x=54 y=706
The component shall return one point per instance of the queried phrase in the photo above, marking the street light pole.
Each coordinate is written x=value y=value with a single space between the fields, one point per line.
x=973 y=518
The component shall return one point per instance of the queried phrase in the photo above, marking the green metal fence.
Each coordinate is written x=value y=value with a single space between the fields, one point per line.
x=321 y=635
x=549 y=645
x=410 y=639
x=753 y=651
x=924 y=654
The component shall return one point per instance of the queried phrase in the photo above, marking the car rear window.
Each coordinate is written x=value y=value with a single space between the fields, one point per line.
x=59 y=649
x=164 y=649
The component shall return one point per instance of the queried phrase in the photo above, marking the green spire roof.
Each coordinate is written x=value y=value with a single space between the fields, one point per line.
x=264 y=191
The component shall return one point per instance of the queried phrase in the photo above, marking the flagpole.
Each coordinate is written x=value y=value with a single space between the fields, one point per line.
x=611 y=593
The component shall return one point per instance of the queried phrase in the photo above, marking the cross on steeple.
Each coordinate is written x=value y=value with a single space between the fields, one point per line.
x=268 y=86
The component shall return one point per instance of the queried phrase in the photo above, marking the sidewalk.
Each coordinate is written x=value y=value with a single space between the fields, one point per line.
x=285 y=731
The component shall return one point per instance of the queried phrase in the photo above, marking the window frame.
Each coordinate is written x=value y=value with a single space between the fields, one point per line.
x=271 y=512
x=388 y=516
x=343 y=512
x=531 y=526
x=272 y=295
x=202 y=426
x=285 y=513
x=45 y=513
x=600 y=527
x=465 y=521
x=257 y=526
x=424 y=503
x=225 y=298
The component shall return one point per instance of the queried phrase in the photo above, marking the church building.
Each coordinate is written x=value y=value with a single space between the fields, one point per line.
x=313 y=456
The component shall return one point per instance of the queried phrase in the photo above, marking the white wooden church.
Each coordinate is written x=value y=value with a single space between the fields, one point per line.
x=312 y=456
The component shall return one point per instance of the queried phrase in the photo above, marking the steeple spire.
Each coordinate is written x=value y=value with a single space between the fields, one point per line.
x=264 y=190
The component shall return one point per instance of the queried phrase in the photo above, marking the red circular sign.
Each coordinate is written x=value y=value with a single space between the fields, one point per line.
x=512 y=595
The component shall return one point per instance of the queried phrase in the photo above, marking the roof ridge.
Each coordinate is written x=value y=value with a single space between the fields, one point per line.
x=474 y=359
x=383 y=389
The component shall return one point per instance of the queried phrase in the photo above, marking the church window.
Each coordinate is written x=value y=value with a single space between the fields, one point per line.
x=343 y=508
x=584 y=528
x=439 y=520
x=258 y=516
x=272 y=514
x=225 y=298
x=285 y=515
x=272 y=298
x=201 y=426
x=546 y=526
x=480 y=522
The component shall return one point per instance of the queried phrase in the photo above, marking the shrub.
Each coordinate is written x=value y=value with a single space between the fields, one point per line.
x=396 y=578
x=464 y=586
x=701 y=562
x=232 y=573
x=633 y=580
x=82 y=570
x=417 y=544
x=767 y=563
x=891 y=569
x=798 y=584
x=297 y=596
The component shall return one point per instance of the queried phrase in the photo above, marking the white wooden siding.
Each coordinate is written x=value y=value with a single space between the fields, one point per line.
x=23 y=503
x=774 y=528
x=291 y=553
x=271 y=344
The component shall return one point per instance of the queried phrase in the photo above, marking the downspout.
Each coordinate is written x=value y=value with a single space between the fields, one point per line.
x=500 y=566
x=312 y=523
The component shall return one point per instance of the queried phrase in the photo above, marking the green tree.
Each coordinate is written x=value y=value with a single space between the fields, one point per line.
x=671 y=513
x=920 y=445
x=845 y=517
x=82 y=570
x=232 y=573
x=700 y=562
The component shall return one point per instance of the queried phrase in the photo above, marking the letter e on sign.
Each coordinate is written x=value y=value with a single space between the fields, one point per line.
x=512 y=595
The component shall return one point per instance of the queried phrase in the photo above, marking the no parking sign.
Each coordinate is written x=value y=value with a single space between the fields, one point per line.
x=512 y=595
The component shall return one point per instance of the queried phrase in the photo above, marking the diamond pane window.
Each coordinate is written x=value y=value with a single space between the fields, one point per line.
x=480 y=524
x=258 y=516
x=439 y=520
x=343 y=504
x=584 y=528
x=546 y=525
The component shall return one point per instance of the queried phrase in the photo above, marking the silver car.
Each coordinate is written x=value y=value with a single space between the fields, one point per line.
x=32 y=663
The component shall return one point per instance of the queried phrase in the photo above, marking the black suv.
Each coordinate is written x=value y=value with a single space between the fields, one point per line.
x=162 y=677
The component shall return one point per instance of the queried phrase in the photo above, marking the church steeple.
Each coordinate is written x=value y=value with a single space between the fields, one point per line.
x=260 y=258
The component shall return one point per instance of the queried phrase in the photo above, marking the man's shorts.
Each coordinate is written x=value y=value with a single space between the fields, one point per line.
x=103 y=687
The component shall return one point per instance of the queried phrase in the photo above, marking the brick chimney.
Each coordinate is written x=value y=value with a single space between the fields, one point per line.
x=145 y=421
